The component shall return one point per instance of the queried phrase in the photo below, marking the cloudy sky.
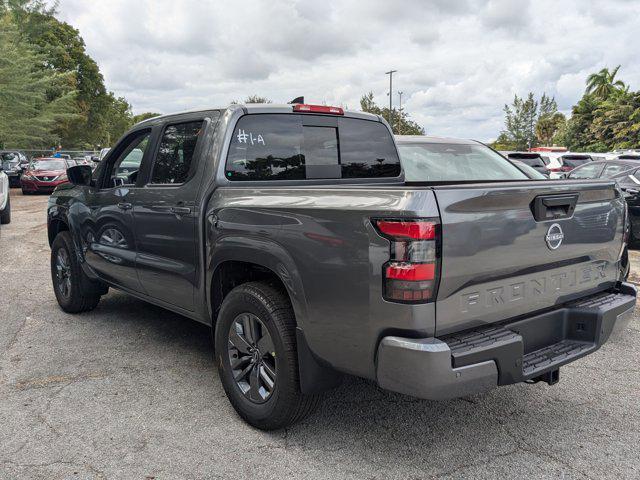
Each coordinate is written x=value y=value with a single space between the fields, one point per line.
x=458 y=61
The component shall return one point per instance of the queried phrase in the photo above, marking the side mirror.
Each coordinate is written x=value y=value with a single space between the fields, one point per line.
x=79 y=175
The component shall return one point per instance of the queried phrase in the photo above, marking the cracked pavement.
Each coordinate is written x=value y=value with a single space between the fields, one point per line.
x=130 y=391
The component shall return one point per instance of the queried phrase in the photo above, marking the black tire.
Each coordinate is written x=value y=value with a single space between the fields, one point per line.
x=74 y=291
x=285 y=404
x=24 y=192
x=5 y=216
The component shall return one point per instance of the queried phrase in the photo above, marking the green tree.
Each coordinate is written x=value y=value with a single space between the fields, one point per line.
x=141 y=117
x=401 y=122
x=603 y=83
x=63 y=51
x=520 y=120
x=28 y=114
x=616 y=121
x=118 y=119
x=252 y=99
x=549 y=122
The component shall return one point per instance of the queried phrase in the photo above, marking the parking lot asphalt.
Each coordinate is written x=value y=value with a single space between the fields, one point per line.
x=130 y=391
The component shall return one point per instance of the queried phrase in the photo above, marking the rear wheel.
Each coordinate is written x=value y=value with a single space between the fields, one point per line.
x=255 y=346
x=5 y=216
x=74 y=291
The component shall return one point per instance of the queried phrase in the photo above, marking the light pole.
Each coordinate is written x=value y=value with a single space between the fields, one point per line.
x=390 y=73
x=400 y=113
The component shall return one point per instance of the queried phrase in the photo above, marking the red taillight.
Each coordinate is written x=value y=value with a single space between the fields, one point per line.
x=412 y=273
x=301 y=107
x=418 y=230
x=555 y=169
x=566 y=169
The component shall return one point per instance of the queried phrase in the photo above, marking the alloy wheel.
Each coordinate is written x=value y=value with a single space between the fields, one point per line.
x=63 y=272
x=252 y=357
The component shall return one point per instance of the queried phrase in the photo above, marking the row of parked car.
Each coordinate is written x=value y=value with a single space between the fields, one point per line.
x=42 y=174
x=555 y=165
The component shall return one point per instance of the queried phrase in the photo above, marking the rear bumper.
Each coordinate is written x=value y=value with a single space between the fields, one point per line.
x=477 y=360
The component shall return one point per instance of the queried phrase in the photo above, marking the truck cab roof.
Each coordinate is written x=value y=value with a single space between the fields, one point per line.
x=257 y=108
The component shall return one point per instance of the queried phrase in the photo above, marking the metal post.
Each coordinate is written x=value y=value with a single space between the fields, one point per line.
x=390 y=73
x=400 y=113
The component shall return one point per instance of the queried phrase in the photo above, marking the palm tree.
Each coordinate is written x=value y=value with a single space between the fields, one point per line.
x=603 y=83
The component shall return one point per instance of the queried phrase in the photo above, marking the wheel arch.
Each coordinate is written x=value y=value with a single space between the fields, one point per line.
x=237 y=261
x=240 y=260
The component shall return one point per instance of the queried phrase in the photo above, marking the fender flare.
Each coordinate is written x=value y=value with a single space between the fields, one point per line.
x=267 y=254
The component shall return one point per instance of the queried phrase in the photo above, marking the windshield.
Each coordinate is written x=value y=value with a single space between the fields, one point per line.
x=445 y=162
x=49 y=165
x=8 y=160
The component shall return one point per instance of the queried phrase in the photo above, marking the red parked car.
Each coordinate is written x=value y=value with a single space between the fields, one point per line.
x=44 y=175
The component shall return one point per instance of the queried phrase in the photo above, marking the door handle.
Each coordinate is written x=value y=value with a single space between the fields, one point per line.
x=181 y=210
x=125 y=206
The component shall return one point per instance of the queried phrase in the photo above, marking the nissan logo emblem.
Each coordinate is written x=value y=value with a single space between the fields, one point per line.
x=554 y=236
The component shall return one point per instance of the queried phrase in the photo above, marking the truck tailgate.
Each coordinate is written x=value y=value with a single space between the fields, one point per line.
x=510 y=249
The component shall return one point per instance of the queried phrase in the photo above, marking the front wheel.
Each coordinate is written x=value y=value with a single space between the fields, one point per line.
x=255 y=346
x=70 y=284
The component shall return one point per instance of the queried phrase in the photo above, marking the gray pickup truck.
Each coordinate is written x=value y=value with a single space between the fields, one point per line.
x=292 y=231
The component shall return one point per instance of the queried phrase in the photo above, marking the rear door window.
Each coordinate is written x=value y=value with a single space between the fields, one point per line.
x=588 y=171
x=614 y=169
x=293 y=147
x=175 y=153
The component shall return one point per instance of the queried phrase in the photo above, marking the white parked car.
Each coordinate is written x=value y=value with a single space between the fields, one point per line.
x=5 y=200
x=565 y=162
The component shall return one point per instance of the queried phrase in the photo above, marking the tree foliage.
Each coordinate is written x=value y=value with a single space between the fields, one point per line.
x=29 y=113
x=402 y=125
x=603 y=84
x=95 y=116
x=529 y=123
x=606 y=118
x=252 y=99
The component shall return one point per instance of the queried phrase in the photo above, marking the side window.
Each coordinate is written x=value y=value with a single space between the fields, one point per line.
x=124 y=169
x=588 y=171
x=279 y=147
x=175 y=153
x=614 y=169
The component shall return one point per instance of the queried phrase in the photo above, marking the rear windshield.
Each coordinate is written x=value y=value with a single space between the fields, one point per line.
x=299 y=147
x=445 y=162
x=574 y=162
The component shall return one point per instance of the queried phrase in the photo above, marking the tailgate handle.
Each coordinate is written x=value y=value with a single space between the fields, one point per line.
x=553 y=207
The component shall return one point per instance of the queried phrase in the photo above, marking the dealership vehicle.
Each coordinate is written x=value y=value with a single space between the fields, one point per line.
x=312 y=257
x=12 y=162
x=44 y=175
x=5 y=199
x=568 y=162
x=627 y=174
x=533 y=160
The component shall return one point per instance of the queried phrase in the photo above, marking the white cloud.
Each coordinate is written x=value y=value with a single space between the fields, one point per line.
x=458 y=62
